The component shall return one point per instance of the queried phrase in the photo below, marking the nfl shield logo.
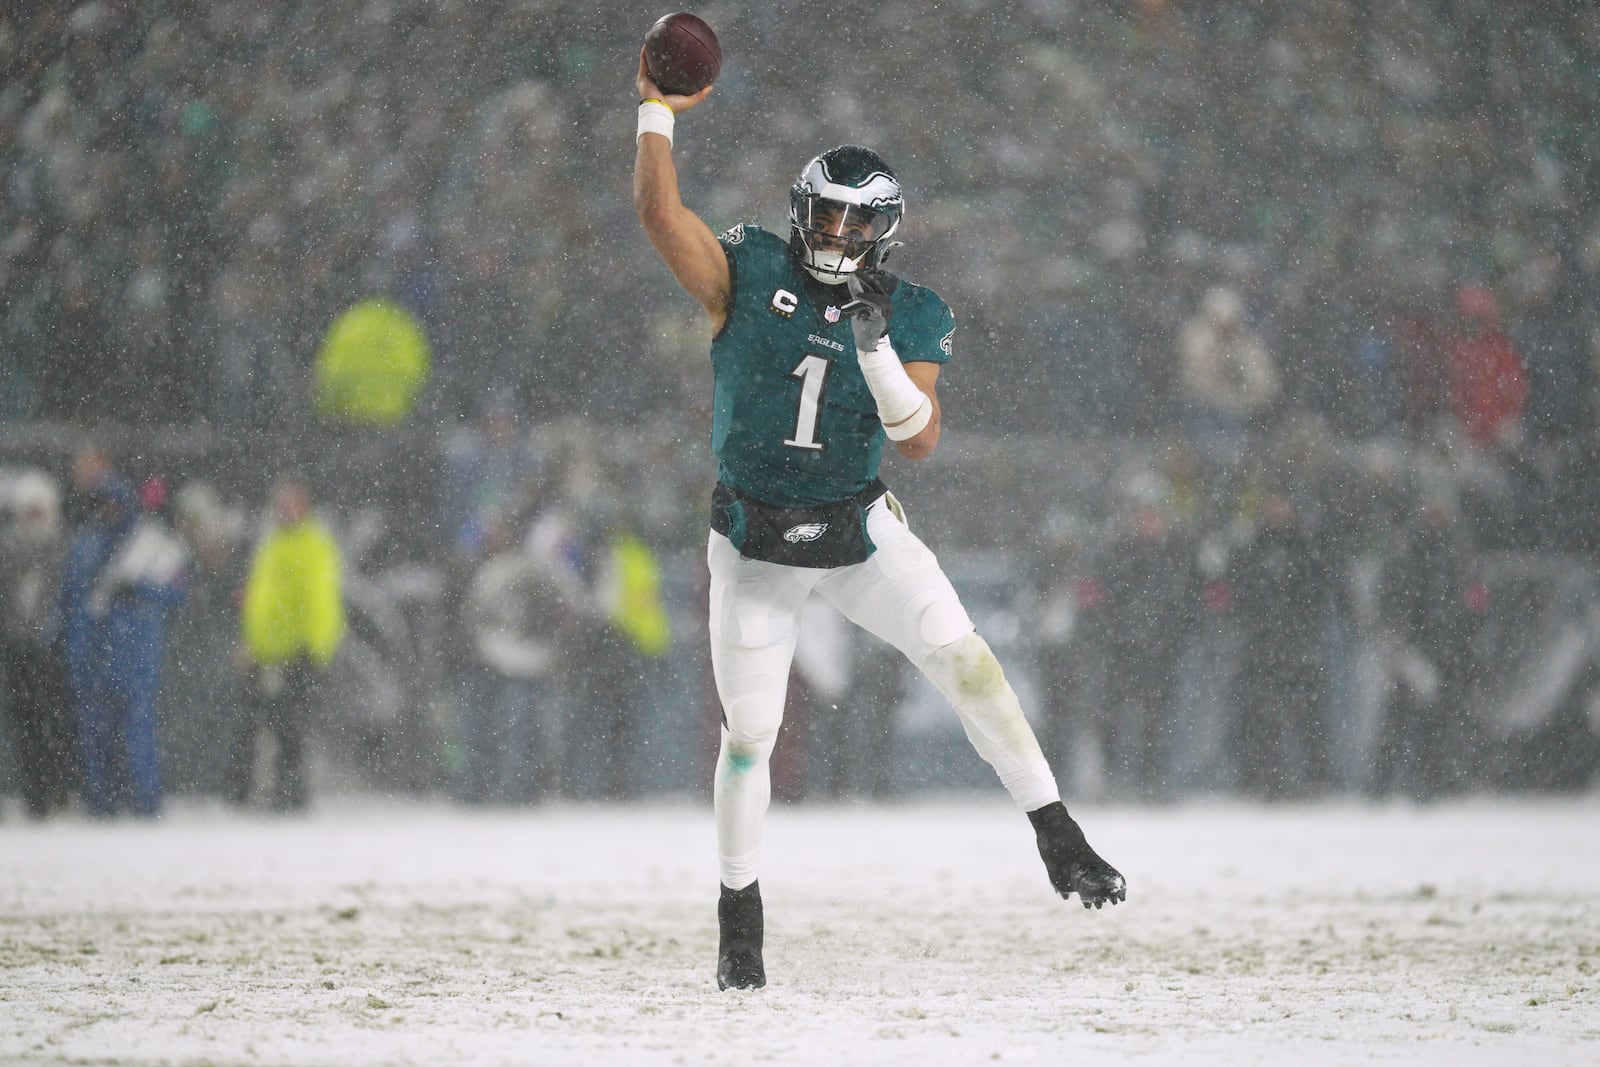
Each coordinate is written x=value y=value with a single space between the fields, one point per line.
x=832 y=314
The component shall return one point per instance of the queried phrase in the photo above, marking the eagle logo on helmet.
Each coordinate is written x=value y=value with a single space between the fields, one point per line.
x=806 y=531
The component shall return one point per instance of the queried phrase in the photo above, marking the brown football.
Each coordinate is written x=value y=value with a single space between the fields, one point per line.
x=682 y=54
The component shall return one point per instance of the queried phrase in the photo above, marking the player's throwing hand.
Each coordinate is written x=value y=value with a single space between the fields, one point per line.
x=649 y=90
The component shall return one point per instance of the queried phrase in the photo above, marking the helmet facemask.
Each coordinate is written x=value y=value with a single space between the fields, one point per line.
x=842 y=211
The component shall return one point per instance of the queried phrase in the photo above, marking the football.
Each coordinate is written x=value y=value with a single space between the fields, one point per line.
x=682 y=54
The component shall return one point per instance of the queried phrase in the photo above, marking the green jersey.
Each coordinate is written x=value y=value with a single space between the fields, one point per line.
x=793 y=423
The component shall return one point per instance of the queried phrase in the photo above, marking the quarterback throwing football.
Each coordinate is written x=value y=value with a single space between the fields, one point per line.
x=818 y=356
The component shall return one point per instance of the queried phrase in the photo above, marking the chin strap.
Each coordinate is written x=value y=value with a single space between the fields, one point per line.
x=831 y=277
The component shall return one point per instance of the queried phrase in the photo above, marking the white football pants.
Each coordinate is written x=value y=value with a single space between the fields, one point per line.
x=900 y=594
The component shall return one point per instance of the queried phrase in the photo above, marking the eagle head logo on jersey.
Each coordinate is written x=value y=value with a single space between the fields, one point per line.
x=806 y=531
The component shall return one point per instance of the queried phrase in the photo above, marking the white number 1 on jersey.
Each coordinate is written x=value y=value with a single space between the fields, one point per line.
x=812 y=371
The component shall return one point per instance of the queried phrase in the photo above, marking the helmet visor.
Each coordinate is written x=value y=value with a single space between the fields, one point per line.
x=835 y=226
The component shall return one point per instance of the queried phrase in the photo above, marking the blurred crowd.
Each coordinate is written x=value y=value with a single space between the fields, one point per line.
x=1303 y=619
x=194 y=192
x=85 y=636
x=1319 y=621
x=1274 y=342
x=248 y=637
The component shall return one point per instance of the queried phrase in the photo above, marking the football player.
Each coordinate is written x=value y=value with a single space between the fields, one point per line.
x=819 y=355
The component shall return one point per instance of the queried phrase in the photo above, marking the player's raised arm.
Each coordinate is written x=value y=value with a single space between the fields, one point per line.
x=681 y=238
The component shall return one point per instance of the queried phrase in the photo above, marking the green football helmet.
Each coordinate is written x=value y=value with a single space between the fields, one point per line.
x=843 y=209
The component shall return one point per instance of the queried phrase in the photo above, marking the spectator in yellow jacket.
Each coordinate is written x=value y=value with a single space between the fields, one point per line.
x=372 y=364
x=292 y=621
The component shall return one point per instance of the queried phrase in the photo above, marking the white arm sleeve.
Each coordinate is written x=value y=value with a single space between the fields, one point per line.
x=903 y=408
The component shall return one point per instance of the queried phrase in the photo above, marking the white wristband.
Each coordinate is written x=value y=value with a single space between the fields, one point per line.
x=655 y=117
x=902 y=407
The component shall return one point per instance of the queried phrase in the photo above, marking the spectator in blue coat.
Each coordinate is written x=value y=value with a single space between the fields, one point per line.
x=123 y=573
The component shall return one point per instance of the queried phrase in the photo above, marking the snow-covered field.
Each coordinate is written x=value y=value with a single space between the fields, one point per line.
x=388 y=933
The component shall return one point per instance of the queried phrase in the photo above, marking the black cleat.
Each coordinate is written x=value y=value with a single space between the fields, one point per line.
x=739 y=921
x=1073 y=866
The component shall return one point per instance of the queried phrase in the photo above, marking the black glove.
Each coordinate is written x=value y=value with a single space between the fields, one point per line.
x=869 y=307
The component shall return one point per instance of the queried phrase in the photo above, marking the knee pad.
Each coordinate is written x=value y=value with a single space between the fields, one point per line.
x=751 y=724
x=941 y=620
